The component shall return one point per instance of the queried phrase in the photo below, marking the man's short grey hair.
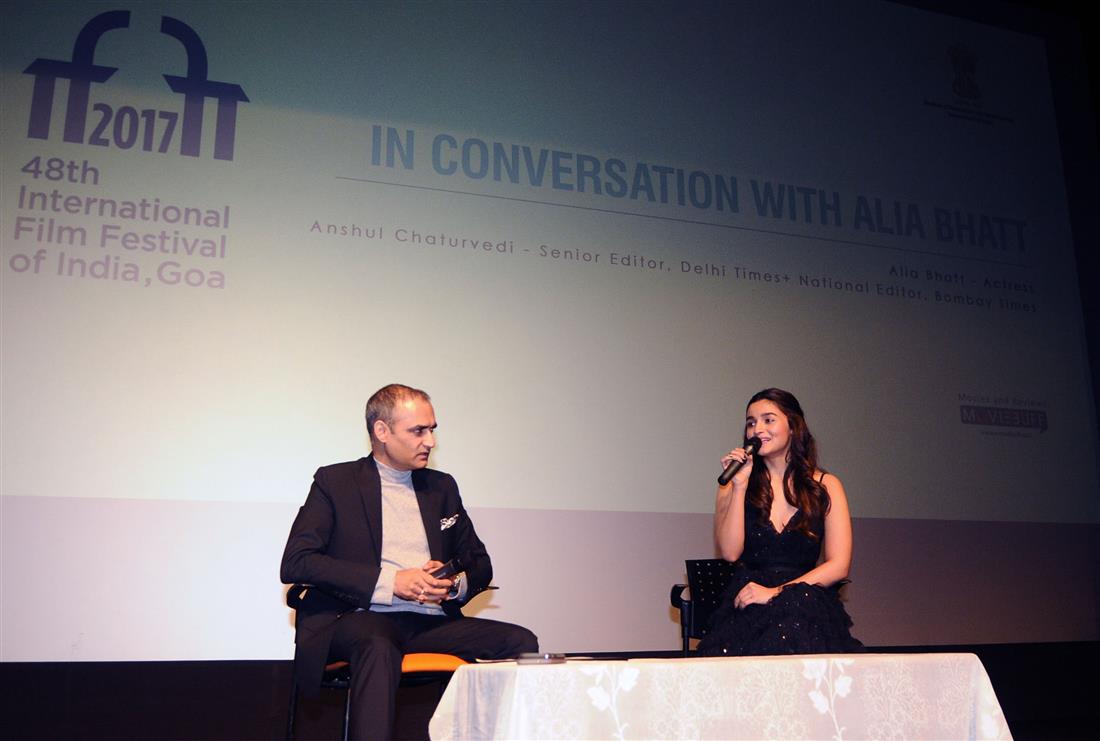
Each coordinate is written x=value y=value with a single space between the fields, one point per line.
x=382 y=403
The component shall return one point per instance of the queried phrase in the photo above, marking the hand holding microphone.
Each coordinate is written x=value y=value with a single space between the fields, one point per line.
x=751 y=446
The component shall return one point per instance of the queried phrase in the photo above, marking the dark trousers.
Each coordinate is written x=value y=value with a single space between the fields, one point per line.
x=374 y=643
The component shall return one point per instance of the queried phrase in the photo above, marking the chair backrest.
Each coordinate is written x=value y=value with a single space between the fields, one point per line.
x=707 y=579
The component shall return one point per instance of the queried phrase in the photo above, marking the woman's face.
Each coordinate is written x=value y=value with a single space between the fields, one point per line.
x=765 y=420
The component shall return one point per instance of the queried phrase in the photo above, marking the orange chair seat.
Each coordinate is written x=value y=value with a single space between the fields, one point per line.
x=428 y=662
x=413 y=663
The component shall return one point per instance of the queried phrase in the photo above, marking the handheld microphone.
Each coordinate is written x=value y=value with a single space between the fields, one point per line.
x=751 y=447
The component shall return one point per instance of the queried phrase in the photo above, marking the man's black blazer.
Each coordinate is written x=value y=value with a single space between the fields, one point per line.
x=335 y=545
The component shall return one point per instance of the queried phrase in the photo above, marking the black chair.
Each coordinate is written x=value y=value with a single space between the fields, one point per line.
x=707 y=579
x=416 y=668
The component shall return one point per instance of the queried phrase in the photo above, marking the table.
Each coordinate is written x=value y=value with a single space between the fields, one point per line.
x=837 y=696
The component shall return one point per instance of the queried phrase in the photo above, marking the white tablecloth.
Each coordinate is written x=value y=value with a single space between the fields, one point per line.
x=879 y=696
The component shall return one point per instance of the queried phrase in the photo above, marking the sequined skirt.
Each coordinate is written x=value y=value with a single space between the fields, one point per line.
x=801 y=619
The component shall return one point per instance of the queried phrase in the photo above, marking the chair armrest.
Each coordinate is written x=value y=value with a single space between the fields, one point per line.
x=296 y=595
x=315 y=599
x=676 y=596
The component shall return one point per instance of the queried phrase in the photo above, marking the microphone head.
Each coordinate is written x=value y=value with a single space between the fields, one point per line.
x=752 y=445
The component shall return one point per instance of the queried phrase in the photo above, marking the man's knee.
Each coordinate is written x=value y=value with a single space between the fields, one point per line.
x=364 y=636
x=375 y=646
x=521 y=640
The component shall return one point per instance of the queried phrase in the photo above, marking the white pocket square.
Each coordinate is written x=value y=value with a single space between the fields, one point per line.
x=447 y=522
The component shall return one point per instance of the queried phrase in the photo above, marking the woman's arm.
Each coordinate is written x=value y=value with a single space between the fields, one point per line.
x=729 y=508
x=838 y=538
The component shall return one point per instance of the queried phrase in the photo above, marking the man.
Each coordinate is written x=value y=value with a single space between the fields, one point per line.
x=367 y=539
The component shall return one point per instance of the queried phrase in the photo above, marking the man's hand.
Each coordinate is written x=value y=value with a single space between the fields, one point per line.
x=418 y=585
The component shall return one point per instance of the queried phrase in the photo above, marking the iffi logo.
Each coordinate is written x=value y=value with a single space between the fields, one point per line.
x=126 y=127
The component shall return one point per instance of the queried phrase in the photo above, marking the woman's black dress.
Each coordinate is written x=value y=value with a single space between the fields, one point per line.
x=801 y=619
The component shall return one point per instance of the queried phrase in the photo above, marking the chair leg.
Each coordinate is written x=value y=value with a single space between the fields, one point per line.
x=443 y=682
x=292 y=711
x=347 y=712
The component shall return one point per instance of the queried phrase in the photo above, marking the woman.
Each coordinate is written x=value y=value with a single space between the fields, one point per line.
x=786 y=524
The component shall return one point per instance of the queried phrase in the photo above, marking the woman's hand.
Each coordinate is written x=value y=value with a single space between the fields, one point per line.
x=754 y=594
x=741 y=478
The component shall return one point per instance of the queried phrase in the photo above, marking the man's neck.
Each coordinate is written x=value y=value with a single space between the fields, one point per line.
x=384 y=462
x=380 y=457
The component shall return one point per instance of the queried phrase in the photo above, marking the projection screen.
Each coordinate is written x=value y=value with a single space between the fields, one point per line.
x=590 y=231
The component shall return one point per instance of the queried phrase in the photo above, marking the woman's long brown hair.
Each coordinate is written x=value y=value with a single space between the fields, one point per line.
x=799 y=486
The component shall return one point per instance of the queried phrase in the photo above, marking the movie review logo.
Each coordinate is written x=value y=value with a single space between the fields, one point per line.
x=989 y=416
x=128 y=127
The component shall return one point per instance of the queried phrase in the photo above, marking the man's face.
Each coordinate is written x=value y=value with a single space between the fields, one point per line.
x=406 y=444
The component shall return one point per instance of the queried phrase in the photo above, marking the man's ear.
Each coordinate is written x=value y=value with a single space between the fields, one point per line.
x=381 y=430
